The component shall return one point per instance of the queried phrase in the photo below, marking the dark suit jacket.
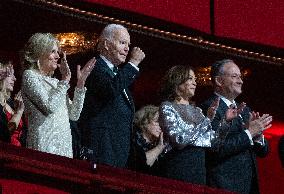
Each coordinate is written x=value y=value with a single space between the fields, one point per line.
x=107 y=115
x=232 y=165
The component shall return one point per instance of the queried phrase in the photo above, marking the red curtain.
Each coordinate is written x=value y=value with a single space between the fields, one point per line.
x=191 y=13
x=255 y=21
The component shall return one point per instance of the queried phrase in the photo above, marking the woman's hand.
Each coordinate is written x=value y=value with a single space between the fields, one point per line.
x=19 y=104
x=83 y=73
x=213 y=108
x=153 y=154
x=64 y=68
x=19 y=109
x=161 y=144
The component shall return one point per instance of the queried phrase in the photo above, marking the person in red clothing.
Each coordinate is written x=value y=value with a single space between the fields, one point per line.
x=11 y=122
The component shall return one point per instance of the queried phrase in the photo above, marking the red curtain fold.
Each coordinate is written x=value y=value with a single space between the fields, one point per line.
x=255 y=21
x=190 y=13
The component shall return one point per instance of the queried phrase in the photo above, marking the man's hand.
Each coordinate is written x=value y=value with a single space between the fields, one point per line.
x=257 y=124
x=136 y=56
x=233 y=111
x=213 y=108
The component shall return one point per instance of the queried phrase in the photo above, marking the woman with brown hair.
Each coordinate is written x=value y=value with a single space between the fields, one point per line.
x=188 y=130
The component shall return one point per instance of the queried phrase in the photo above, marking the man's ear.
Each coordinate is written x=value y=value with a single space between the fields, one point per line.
x=218 y=80
x=106 y=45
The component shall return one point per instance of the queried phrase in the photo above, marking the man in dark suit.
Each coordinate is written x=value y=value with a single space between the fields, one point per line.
x=107 y=115
x=231 y=164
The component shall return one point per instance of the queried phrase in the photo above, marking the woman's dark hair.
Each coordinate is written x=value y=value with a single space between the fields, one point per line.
x=173 y=78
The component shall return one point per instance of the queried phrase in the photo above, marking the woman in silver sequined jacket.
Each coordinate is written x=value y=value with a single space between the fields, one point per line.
x=187 y=129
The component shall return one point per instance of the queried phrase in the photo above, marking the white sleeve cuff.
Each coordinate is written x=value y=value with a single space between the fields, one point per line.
x=249 y=136
x=134 y=66
x=260 y=140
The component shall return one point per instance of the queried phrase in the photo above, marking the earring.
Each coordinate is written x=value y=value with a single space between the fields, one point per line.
x=38 y=64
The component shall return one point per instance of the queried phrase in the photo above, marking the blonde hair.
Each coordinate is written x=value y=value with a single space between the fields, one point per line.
x=4 y=94
x=38 y=45
x=145 y=115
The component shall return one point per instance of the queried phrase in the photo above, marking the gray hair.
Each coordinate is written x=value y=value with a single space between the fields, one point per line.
x=38 y=45
x=108 y=34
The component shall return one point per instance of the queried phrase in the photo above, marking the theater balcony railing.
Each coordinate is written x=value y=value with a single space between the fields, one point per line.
x=27 y=171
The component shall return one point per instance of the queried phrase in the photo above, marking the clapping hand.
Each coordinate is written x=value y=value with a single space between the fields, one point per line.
x=241 y=107
x=161 y=141
x=257 y=124
x=19 y=104
x=83 y=73
x=233 y=111
x=213 y=108
x=64 y=68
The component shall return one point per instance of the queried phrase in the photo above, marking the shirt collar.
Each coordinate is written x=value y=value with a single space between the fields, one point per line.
x=109 y=64
x=227 y=101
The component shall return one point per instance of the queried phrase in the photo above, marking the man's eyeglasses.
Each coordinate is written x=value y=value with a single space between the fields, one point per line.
x=234 y=76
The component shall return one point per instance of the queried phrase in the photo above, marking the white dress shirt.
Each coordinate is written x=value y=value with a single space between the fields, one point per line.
x=111 y=66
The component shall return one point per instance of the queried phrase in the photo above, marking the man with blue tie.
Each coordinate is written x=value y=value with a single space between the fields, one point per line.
x=231 y=164
x=107 y=116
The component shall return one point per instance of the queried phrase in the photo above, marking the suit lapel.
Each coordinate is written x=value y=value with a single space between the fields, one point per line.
x=125 y=93
x=223 y=107
x=102 y=64
x=237 y=123
x=129 y=99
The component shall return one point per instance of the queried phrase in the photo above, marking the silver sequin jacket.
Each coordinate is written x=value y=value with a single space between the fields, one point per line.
x=185 y=125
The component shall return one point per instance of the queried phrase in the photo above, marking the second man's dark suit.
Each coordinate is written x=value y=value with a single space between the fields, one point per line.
x=107 y=115
x=232 y=164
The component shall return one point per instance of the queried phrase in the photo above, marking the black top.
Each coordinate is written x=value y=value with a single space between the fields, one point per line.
x=139 y=161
